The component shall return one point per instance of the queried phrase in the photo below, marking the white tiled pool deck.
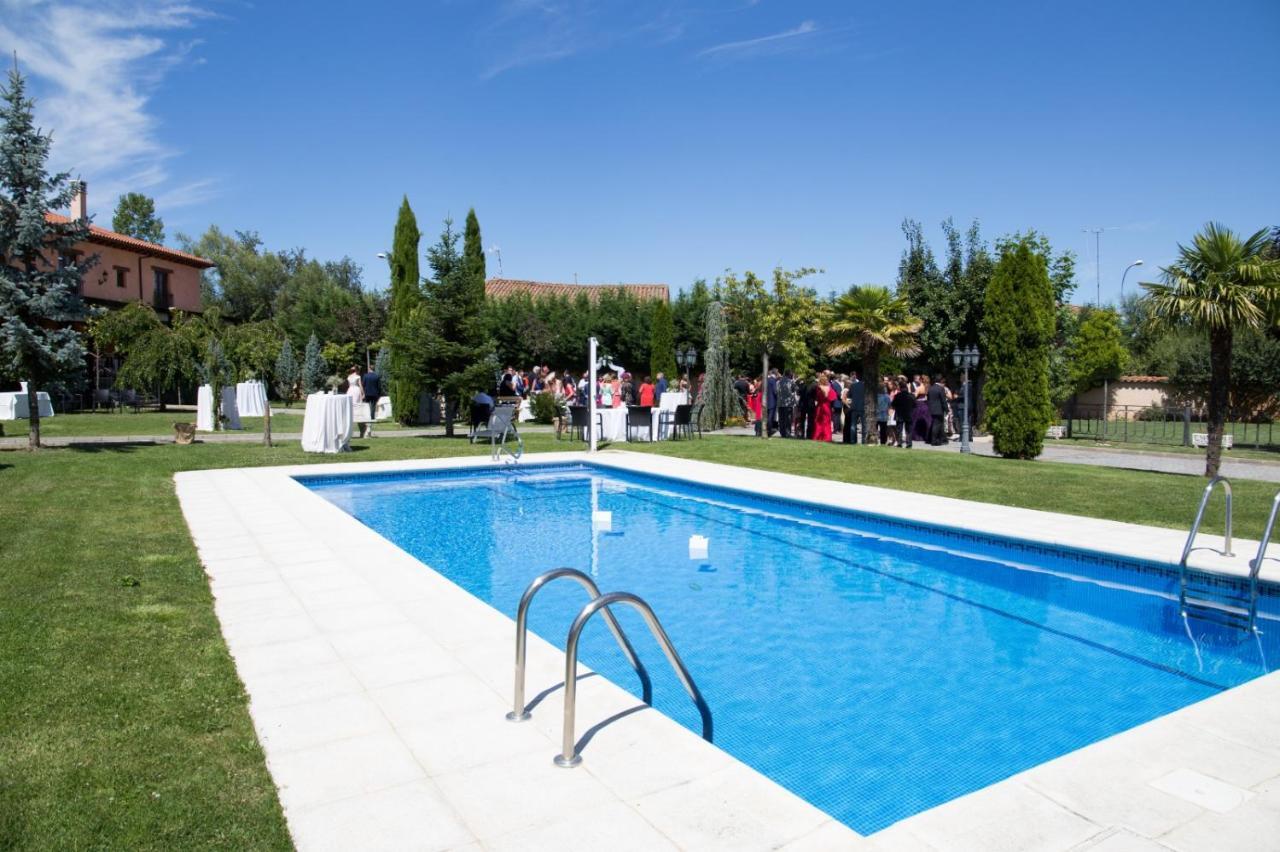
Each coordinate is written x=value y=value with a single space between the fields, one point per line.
x=378 y=690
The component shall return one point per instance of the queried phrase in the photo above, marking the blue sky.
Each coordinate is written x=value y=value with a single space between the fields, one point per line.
x=652 y=141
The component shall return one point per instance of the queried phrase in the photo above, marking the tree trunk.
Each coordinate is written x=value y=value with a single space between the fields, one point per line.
x=1220 y=341
x=451 y=411
x=871 y=393
x=33 y=415
x=266 y=425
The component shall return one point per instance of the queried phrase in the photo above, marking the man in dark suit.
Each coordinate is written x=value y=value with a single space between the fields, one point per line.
x=903 y=404
x=855 y=411
x=659 y=388
x=837 y=425
x=937 y=400
x=372 y=384
x=771 y=402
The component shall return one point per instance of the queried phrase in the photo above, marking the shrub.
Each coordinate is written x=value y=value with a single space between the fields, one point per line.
x=545 y=408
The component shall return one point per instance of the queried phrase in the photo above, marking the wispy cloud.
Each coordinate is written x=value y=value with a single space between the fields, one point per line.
x=775 y=43
x=94 y=68
x=532 y=32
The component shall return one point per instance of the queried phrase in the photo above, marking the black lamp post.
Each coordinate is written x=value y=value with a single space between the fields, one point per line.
x=687 y=359
x=965 y=359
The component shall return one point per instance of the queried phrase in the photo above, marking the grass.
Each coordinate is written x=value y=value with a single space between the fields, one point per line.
x=150 y=424
x=122 y=721
x=1168 y=434
x=1237 y=453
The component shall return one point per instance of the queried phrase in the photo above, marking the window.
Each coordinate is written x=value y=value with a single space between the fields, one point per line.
x=70 y=257
x=122 y=276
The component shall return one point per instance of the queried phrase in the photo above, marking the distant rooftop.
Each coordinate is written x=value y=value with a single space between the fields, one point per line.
x=501 y=288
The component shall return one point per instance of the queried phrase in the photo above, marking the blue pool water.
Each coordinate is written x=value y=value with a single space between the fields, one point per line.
x=874 y=667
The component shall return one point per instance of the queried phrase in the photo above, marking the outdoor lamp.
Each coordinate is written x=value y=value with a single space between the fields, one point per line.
x=965 y=359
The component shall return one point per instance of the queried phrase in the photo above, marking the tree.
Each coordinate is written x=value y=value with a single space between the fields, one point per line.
x=246 y=281
x=719 y=402
x=873 y=322
x=253 y=348
x=1219 y=285
x=443 y=344
x=1096 y=353
x=406 y=297
x=288 y=372
x=314 y=369
x=162 y=357
x=662 y=341
x=774 y=319
x=136 y=216
x=1017 y=334
x=215 y=371
x=689 y=312
x=39 y=277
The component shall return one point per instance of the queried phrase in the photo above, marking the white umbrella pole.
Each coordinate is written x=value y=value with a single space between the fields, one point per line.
x=591 y=393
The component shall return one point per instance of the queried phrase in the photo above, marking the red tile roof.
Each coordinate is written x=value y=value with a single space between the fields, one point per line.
x=500 y=288
x=111 y=238
x=1156 y=379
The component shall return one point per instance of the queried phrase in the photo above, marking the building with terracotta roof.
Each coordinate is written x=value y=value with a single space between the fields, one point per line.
x=133 y=270
x=502 y=288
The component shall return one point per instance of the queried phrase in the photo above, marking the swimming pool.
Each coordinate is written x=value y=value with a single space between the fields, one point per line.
x=877 y=668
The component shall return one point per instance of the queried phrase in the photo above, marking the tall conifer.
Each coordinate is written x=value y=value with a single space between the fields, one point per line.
x=406 y=297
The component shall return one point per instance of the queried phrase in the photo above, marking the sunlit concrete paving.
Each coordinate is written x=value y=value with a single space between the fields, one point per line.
x=378 y=690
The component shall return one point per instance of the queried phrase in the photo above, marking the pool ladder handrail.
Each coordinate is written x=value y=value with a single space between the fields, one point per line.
x=518 y=712
x=568 y=756
x=1255 y=565
x=1195 y=527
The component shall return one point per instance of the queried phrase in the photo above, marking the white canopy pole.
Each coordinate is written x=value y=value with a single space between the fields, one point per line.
x=591 y=394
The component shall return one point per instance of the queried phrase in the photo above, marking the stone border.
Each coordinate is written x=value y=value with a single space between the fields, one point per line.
x=377 y=688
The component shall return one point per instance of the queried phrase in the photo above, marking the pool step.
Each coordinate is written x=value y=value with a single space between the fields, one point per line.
x=1229 y=611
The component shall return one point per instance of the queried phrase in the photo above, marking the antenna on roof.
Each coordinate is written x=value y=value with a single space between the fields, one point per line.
x=498 y=252
x=575 y=278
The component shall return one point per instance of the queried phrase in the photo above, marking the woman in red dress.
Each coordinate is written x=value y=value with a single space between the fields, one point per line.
x=824 y=395
x=753 y=401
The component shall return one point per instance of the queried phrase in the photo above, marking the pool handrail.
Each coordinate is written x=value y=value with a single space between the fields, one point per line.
x=518 y=712
x=568 y=756
x=1195 y=526
x=1255 y=566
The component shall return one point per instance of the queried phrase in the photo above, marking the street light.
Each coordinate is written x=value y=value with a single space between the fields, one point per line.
x=1122 y=277
x=687 y=358
x=965 y=359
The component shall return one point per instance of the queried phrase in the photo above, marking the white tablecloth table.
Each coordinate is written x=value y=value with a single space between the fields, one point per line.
x=613 y=425
x=326 y=425
x=383 y=409
x=17 y=406
x=204 y=409
x=526 y=411
x=251 y=399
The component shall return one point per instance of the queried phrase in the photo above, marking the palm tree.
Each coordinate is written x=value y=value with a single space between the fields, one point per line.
x=1218 y=284
x=873 y=321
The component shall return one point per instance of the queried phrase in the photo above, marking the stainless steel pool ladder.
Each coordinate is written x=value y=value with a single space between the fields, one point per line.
x=1207 y=598
x=518 y=712
x=1255 y=565
x=568 y=756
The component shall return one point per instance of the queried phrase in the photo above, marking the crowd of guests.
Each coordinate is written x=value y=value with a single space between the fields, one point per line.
x=906 y=409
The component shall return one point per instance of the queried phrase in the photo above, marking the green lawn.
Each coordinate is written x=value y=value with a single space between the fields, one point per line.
x=122 y=721
x=150 y=424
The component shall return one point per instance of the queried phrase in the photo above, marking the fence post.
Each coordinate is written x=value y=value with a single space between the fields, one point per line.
x=1071 y=414
x=1125 y=413
x=1186 y=425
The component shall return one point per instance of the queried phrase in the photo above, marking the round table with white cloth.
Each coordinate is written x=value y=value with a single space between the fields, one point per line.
x=230 y=410
x=204 y=409
x=613 y=425
x=326 y=425
x=251 y=399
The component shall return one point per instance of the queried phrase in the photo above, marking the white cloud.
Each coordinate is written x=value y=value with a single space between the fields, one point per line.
x=764 y=44
x=93 y=68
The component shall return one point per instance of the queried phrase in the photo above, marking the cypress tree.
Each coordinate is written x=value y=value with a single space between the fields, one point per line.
x=1018 y=331
x=406 y=297
x=313 y=367
x=662 y=342
x=286 y=372
x=39 y=295
x=719 y=402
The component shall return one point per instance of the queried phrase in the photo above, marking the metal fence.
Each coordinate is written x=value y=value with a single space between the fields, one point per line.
x=1181 y=426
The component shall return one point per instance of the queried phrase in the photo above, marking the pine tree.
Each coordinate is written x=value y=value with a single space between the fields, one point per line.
x=287 y=372
x=719 y=402
x=39 y=281
x=406 y=298
x=380 y=364
x=662 y=341
x=136 y=216
x=1018 y=331
x=314 y=368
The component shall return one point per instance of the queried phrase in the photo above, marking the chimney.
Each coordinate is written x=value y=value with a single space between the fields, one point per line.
x=80 y=201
